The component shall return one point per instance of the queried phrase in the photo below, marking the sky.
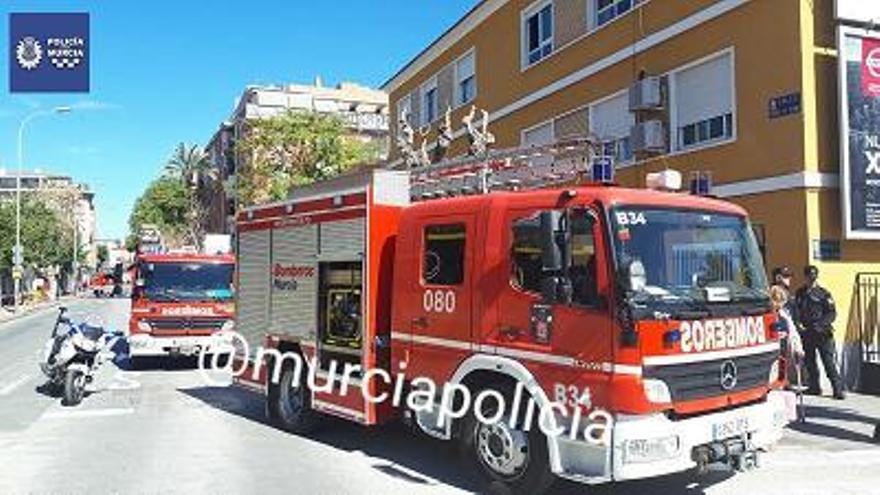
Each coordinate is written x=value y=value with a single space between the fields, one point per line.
x=169 y=71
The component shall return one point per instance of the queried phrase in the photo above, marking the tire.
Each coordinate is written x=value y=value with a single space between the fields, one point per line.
x=290 y=406
x=516 y=459
x=74 y=387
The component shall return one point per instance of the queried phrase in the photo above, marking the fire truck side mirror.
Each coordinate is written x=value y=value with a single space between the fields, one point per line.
x=551 y=251
x=555 y=286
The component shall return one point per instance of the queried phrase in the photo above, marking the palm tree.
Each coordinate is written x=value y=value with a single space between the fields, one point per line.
x=189 y=164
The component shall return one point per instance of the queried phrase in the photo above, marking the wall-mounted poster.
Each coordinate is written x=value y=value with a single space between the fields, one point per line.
x=860 y=131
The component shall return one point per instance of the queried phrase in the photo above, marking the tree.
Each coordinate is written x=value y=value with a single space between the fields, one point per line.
x=44 y=239
x=164 y=203
x=190 y=166
x=103 y=254
x=294 y=149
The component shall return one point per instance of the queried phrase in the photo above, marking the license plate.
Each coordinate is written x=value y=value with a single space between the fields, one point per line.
x=730 y=428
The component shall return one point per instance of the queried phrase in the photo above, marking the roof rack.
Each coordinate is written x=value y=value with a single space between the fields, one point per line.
x=565 y=161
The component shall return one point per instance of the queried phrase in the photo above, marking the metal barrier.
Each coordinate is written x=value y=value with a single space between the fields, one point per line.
x=868 y=312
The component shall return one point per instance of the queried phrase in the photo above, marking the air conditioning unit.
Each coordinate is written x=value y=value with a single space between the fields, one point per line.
x=645 y=95
x=649 y=137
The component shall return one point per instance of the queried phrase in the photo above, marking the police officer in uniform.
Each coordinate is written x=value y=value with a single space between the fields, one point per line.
x=816 y=312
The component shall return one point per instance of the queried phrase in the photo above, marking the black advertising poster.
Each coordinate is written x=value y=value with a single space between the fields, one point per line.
x=860 y=185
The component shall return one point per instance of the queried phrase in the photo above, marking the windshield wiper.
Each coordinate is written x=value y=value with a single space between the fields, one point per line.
x=168 y=294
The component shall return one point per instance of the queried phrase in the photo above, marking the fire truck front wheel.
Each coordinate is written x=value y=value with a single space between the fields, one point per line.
x=290 y=405
x=510 y=456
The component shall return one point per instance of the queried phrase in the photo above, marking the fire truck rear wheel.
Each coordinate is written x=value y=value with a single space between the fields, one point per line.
x=513 y=457
x=290 y=405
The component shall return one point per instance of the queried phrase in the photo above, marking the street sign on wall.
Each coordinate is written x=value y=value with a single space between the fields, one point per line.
x=860 y=131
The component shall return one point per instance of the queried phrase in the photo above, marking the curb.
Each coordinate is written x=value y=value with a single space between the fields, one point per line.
x=34 y=309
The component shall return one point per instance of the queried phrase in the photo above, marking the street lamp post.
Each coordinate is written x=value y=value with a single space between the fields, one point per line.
x=18 y=255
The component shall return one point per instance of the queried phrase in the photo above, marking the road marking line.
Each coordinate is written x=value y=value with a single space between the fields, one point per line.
x=87 y=413
x=14 y=385
x=123 y=382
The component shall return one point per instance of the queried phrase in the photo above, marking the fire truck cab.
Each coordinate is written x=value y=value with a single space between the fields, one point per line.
x=646 y=306
x=179 y=302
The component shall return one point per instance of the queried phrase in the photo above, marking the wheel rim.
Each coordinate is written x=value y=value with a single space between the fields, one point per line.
x=291 y=398
x=503 y=450
x=79 y=384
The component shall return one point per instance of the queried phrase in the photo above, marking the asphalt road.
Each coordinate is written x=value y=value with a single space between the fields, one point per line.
x=164 y=431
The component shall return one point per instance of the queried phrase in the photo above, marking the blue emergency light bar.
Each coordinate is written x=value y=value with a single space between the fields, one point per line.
x=701 y=183
x=603 y=169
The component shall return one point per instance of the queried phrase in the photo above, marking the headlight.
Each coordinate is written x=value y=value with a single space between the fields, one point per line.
x=651 y=449
x=773 y=377
x=143 y=326
x=83 y=343
x=656 y=391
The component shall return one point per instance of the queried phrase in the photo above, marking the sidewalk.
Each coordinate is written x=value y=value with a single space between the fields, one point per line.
x=833 y=425
x=7 y=314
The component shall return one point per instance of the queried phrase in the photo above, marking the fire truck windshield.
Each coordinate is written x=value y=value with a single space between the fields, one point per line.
x=688 y=255
x=171 y=282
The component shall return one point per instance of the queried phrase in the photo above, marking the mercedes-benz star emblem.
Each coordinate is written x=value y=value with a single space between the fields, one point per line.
x=728 y=375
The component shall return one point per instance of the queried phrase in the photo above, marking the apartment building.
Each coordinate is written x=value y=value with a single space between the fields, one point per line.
x=363 y=110
x=70 y=197
x=746 y=90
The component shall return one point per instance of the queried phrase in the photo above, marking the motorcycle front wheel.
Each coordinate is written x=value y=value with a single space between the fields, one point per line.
x=74 y=387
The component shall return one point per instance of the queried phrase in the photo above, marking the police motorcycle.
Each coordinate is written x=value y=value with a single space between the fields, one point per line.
x=72 y=355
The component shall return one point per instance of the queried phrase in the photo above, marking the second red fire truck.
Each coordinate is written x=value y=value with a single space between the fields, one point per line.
x=647 y=305
x=181 y=299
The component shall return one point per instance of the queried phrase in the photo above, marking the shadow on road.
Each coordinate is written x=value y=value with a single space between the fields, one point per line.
x=832 y=431
x=418 y=459
x=158 y=364
x=396 y=451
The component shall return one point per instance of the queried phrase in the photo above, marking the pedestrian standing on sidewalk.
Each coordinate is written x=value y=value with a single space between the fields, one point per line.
x=782 y=278
x=816 y=312
x=794 y=349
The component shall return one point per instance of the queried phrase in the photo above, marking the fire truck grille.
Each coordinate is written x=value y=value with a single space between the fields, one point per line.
x=186 y=324
x=700 y=380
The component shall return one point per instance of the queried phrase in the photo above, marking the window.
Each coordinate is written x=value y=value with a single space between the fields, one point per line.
x=404 y=106
x=466 y=79
x=444 y=254
x=608 y=10
x=704 y=103
x=612 y=122
x=538 y=34
x=526 y=254
x=583 y=258
x=536 y=136
x=527 y=266
x=429 y=102
x=713 y=129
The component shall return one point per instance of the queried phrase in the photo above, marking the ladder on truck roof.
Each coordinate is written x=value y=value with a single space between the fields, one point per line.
x=515 y=169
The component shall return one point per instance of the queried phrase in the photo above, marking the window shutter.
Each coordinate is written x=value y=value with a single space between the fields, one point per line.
x=704 y=91
x=538 y=135
x=415 y=99
x=466 y=67
x=445 y=87
x=611 y=119
x=573 y=124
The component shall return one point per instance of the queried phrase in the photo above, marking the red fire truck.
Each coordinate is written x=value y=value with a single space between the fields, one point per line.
x=181 y=299
x=513 y=274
